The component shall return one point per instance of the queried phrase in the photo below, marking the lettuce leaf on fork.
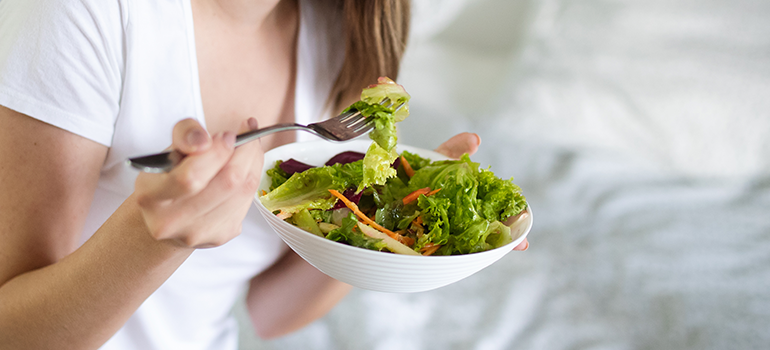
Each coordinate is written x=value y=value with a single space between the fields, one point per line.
x=382 y=153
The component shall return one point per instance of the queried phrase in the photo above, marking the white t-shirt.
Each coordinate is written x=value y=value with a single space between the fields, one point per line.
x=122 y=73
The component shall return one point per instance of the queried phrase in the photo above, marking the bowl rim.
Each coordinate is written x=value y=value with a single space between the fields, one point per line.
x=358 y=250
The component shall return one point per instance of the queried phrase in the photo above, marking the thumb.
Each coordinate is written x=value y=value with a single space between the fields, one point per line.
x=460 y=144
x=190 y=137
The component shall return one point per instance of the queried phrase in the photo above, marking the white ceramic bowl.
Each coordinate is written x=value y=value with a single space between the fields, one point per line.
x=368 y=269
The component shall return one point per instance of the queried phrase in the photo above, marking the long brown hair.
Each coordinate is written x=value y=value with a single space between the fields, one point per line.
x=376 y=32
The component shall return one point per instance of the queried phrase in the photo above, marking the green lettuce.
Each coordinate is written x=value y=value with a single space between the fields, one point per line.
x=350 y=233
x=499 y=199
x=377 y=167
x=472 y=202
x=277 y=175
x=386 y=88
x=435 y=216
x=310 y=188
x=304 y=220
x=382 y=153
x=384 y=132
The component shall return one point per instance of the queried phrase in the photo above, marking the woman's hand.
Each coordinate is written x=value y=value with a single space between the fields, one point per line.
x=204 y=199
x=469 y=143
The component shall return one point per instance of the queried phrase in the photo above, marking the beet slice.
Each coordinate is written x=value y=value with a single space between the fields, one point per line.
x=292 y=166
x=345 y=158
x=396 y=163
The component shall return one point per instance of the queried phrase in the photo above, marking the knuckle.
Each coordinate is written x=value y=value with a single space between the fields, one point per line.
x=186 y=182
x=232 y=178
x=252 y=183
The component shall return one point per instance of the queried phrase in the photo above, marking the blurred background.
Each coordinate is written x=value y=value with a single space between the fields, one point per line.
x=639 y=132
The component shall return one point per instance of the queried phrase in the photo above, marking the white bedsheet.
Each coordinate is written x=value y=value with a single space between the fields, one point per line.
x=639 y=131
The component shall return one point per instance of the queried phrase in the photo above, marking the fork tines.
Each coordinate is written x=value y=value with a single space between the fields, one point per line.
x=362 y=124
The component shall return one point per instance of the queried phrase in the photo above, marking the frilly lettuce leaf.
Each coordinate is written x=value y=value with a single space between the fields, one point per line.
x=377 y=166
x=277 y=175
x=384 y=133
x=415 y=161
x=499 y=199
x=386 y=88
x=471 y=215
x=435 y=216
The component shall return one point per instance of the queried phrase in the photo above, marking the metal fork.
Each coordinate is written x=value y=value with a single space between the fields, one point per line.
x=343 y=127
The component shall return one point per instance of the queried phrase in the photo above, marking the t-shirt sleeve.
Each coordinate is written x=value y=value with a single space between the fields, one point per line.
x=62 y=62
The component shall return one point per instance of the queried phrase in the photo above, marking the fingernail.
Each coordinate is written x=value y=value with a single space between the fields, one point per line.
x=229 y=139
x=478 y=139
x=197 y=138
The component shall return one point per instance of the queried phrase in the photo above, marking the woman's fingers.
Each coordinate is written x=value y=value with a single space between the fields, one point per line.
x=239 y=177
x=522 y=246
x=202 y=201
x=192 y=174
x=460 y=144
x=189 y=137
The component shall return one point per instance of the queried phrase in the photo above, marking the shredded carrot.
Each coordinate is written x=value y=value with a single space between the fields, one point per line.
x=363 y=216
x=407 y=168
x=283 y=215
x=417 y=221
x=264 y=192
x=407 y=241
x=414 y=195
x=429 y=248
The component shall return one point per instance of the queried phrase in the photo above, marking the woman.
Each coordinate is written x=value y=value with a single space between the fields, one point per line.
x=95 y=255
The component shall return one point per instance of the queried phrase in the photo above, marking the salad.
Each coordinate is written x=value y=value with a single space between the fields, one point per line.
x=395 y=202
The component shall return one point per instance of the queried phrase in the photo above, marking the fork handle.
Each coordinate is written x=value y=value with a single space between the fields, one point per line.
x=255 y=134
x=165 y=161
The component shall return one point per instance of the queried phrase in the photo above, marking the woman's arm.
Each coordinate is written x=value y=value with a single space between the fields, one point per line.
x=290 y=295
x=55 y=296
x=51 y=295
